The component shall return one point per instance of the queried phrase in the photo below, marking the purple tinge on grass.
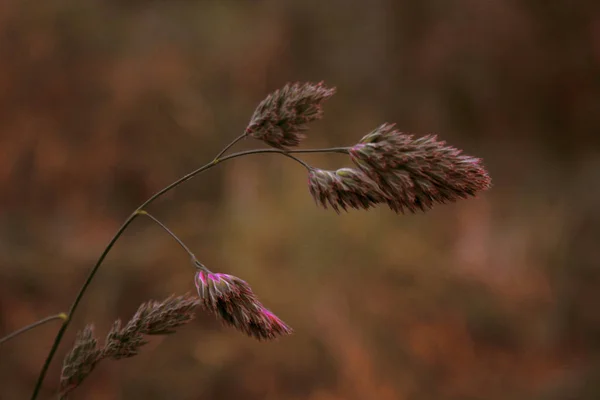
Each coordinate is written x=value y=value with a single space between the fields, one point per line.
x=417 y=173
x=233 y=302
x=282 y=117
x=344 y=188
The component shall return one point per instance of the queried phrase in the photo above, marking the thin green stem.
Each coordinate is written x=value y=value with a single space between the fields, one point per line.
x=173 y=235
x=24 y=329
x=132 y=217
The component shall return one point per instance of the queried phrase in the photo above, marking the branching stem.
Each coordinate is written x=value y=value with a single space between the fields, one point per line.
x=173 y=235
x=24 y=329
x=217 y=160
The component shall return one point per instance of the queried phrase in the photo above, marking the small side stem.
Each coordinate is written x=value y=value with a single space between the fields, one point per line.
x=308 y=167
x=24 y=329
x=173 y=235
x=230 y=145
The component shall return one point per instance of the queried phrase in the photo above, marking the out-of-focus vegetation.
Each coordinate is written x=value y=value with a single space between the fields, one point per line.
x=104 y=102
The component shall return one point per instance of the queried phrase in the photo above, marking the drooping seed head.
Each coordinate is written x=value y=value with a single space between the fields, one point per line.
x=234 y=303
x=417 y=173
x=282 y=117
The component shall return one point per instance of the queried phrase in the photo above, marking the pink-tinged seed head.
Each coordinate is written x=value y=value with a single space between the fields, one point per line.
x=234 y=303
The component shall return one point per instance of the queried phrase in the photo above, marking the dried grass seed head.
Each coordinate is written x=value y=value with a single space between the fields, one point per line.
x=151 y=318
x=417 y=173
x=234 y=303
x=344 y=188
x=123 y=342
x=163 y=317
x=282 y=117
x=80 y=361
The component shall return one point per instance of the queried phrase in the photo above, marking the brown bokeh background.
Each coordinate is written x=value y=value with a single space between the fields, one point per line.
x=104 y=102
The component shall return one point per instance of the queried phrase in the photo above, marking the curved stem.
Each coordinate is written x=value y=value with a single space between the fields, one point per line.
x=24 y=329
x=130 y=219
x=174 y=236
x=308 y=167
x=87 y=282
x=230 y=145
x=343 y=150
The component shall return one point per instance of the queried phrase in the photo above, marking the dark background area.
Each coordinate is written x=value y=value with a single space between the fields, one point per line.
x=104 y=102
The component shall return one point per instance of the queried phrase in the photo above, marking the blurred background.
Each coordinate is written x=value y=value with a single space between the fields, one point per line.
x=102 y=103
